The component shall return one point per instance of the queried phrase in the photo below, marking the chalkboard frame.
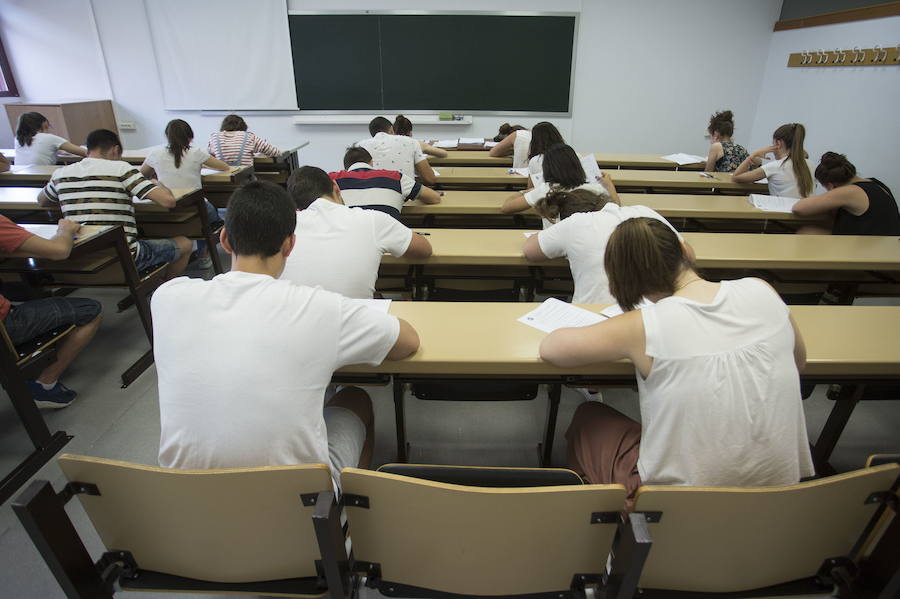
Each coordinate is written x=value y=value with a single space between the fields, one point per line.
x=505 y=13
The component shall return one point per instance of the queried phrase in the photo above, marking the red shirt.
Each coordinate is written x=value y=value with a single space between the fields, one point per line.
x=12 y=236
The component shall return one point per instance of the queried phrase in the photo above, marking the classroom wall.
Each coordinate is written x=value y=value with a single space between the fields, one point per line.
x=851 y=110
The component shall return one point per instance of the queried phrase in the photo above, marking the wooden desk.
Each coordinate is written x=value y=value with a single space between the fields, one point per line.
x=39 y=175
x=604 y=160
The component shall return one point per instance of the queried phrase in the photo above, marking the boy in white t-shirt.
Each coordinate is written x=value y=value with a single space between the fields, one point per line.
x=260 y=399
x=340 y=248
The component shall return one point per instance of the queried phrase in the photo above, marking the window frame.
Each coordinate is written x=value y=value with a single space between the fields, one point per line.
x=7 y=74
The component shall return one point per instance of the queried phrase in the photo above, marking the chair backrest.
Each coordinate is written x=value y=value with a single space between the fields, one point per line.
x=480 y=476
x=235 y=525
x=479 y=541
x=733 y=540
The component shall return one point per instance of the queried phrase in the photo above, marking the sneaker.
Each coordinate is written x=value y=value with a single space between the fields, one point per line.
x=589 y=395
x=58 y=397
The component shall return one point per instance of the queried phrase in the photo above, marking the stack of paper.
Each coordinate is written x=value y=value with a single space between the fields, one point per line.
x=772 y=203
x=522 y=172
x=490 y=144
x=555 y=314
x=591 y=170
x=471 y=141
x=445 y=143
x=682 y=158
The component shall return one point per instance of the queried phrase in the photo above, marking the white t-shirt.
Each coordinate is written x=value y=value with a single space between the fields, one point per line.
x=521 y=145
x=582 y=238
x=340 y=248
x=394 y=152
x=186 y=176
x=782 y=181
x=721 y=406
x=536 y=165
x=42 y=150
x=257 y=399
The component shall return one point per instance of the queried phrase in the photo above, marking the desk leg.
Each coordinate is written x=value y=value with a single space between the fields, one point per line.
x=212 y=244
x=554 y=391
x=400 y=418
x=140 y=291
x=844 y=404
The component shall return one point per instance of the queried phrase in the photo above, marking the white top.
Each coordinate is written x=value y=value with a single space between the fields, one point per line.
x=187 y=176
x=721 y=406
x=582 y=238
x=521 y=145
x=42 y=150
x=340 y=248
x=782 y=181
x=394 y=152
x=536 y=165
x=255 y=397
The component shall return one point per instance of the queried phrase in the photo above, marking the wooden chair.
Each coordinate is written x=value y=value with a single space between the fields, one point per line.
x=420 y=538
x=486 y=476
x=249 y=530
x=772 y=541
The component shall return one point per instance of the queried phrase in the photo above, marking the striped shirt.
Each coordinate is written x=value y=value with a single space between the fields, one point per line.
x=362 y=185
x=237 y=148
x=95 y=191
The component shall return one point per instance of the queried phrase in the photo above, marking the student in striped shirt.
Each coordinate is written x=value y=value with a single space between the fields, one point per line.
x=235 y=146
x=98 y=191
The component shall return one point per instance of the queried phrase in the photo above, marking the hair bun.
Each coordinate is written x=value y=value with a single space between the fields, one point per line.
x=726 y=115
x=833 y=159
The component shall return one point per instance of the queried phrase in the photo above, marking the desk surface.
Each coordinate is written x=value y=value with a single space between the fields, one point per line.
x=86 y=233
x=469 y=338
x=138 y=156
x=502 y=247
x=25 y=198
x=40 y=173
x=607 y=160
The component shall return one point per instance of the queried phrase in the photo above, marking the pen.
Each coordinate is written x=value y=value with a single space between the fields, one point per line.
x=422 y=233
x=707 y=175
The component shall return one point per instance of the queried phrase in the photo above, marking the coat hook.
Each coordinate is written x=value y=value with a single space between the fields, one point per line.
x=876 y=54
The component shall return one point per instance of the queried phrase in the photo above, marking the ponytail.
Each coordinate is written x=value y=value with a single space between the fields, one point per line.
x=561 y=204
x=30 y=124
x=793 y=135
x=402 y=126
x=179 y=135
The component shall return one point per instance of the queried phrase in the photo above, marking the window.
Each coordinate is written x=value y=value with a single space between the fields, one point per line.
x=7 y=83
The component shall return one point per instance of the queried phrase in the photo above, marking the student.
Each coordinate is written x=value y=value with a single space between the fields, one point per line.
x=586 y=220
x=396 y=152
x=858 y=205
x=787 y=177
x=235 y=146
x=35 y=146
x=544 y=135
x=716 y=367
x=340 y=248
x=382 y=190
x=403 y=126
x=109 y=184
x=4 y=163
x=516 y=144
x=30 y=319
x=506 y=130
x=724 y=155
x=262 y=401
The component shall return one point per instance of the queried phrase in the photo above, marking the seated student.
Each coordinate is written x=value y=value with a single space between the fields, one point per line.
x=262 y=401
x=4 y=163
x=235 y=146
x=403 y=126
x=35 y=146
x=396 y=152
x=724 y=155
x=586 y=220
x=515 y=142
x=858 y=205
x=544 y=135
x=30 y=319
x=787 y=177
x=381 y=190
x=340 y=248
x=717 y=372
x=98 y=191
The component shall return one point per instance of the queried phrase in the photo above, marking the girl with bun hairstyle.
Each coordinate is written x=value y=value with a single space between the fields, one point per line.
x=716 y=367
x=403 y=126
x=515 y=141
x=35 y=145
x=724 y=155
x=859 y=206
x=790 y=174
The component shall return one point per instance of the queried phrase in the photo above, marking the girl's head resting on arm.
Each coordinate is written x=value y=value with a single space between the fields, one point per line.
x=30 y=124
x=179 y=136
x=644 y=258
x=834 y=170
x=562 y=167
x=233 y=122
x=506 y=130
x=402 y=126
x=721 y=126
x=788 y=141
x=560 y=204
x=543 y=136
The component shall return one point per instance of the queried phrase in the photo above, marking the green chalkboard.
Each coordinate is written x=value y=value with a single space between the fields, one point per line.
x=433 y=62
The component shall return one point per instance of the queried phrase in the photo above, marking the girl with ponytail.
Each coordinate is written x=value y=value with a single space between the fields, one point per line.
x=716 y=366
x=34 y=145
x=790 y=174
x=403 y=126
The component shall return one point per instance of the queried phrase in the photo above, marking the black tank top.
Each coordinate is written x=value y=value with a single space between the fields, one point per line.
x=882 y=217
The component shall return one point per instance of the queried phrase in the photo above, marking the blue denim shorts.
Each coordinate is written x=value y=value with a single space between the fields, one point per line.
x=155 y=251
x=35 y=317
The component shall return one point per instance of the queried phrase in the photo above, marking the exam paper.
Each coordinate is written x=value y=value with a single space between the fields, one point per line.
x=772 y=203
x=591 y=170
x=471 y=141
x=45 y=231
x=490 y=144
x=436 y=173
x=522 y=172
x=529 y=233
x=382 y=305
x=682 y=158
x=445 y=143
x=555 y=314
x=616 y=309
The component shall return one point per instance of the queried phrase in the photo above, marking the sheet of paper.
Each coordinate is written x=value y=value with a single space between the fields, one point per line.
x=616 y=309
x=382 y=305
x=682 y=158
x=471 y=141
x=529 y=233
x=210 y=171
x=445 y=143
x=555 y=314
x=592 y=172
x=522 y=172
x=45 y=231
x=537 y=179
x=436 y=173
x=772 y=203
x=490 y=144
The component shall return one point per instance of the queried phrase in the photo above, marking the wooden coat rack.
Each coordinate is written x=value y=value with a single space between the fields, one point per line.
x=857 y=57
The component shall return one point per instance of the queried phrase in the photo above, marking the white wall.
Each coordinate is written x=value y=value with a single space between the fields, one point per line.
x=851 y=110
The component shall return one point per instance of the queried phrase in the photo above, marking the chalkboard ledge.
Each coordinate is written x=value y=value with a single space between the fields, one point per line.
x=363 y=119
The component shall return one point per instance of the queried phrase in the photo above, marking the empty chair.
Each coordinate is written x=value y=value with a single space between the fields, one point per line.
x=486 y=476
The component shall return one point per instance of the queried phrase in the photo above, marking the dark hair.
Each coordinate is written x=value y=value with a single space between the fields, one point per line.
x=30 y=124
x=307 y=184
x=793 y=135
x=260 y=216
x=233 y=122
x=543 y=135
x=643 y=257
x=378 y=125
x=834 y=168
x=356 y=154
x=722 y=123
x=179 y=135
x=103 y=140
x=506 y=130
x=560 y=204
x=402 y=125
x=562 y=167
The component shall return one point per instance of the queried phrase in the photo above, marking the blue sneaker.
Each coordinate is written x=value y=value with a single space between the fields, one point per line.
x=58 y=397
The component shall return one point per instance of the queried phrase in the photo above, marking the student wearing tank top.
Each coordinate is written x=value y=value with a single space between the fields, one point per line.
x=717 y=371
x=857 y=205
x=36 y=145
x=790 y=174
x=515 y=144
x=724 y=155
